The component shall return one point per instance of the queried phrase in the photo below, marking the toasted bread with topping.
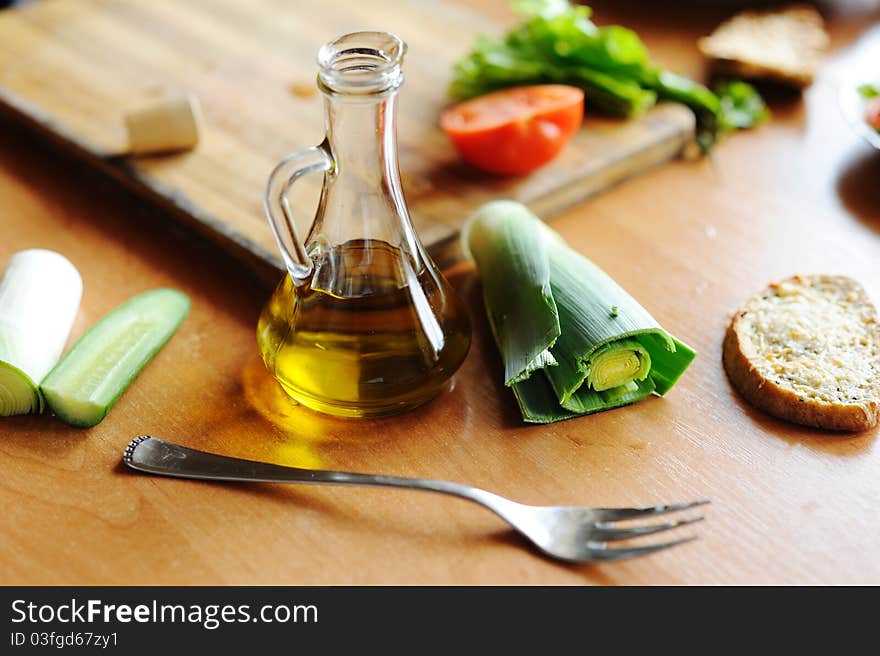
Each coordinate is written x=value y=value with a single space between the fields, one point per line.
x=783 y=45
x=807 y=349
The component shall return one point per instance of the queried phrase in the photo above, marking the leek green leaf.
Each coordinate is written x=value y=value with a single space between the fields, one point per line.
x=503 y=238
x=537 y=401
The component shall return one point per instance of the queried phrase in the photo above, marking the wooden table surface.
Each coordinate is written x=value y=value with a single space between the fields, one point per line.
x=691 y=240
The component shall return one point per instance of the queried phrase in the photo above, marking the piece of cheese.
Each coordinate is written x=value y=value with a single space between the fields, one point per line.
x=170 y=124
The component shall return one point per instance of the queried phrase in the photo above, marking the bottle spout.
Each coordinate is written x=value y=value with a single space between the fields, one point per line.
x=361 y=63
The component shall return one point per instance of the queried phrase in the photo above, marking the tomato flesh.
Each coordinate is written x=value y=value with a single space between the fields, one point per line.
x=872 y=113
x=515 y=131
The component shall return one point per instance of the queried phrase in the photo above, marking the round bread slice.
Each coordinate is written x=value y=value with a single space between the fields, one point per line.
x=807 y=349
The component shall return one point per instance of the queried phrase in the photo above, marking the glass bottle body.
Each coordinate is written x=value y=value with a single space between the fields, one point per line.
x=368 y=353
x=366 y=325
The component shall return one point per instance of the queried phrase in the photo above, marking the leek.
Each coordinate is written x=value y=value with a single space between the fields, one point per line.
x=505 y=242
x=608 y=351
x=39 y=297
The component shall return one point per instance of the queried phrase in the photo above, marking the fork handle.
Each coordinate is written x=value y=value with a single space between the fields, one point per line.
x=154 y=456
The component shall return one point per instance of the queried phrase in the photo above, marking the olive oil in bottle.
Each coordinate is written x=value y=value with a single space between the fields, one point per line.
x=368 y=336
x=364 y=324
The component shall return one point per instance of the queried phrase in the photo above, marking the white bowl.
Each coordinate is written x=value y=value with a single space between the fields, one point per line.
x=853 y=106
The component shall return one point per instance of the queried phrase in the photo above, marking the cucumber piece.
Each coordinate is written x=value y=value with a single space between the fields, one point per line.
x=91 y=377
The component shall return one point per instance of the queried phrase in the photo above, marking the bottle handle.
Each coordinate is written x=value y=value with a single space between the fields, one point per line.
x=277 y=206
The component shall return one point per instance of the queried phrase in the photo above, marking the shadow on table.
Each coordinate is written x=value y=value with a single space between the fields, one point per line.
x=593 y=573
x=858 y=186
x=29 y=433
x=484 y=348
x=837 y=443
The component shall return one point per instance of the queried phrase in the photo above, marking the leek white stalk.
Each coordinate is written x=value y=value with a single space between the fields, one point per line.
x=39 y=297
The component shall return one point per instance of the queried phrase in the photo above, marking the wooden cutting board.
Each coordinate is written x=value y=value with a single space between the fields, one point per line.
x=71 y=68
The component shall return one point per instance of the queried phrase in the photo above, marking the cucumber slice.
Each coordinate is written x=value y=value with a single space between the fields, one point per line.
x=82 y=388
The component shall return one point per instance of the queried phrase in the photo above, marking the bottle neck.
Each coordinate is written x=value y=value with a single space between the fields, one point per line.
x=362 y=202
x=360 y=75
x=362 y=199
x=362 y=139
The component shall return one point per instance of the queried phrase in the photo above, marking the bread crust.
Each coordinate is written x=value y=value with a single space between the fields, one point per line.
x=781 y=401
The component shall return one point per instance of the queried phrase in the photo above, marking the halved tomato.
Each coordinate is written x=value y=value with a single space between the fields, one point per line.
x=515 y=130
x=872 y=113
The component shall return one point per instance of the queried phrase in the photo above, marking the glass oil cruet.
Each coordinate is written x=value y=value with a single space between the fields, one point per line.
x=363 y=324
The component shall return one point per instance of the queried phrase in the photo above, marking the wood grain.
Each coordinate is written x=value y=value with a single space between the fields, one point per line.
x=71 y=68
x=692 y=241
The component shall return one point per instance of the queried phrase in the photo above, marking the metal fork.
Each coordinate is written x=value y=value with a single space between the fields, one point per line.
x=570 y=533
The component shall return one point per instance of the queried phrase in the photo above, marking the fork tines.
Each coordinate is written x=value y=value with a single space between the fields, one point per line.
x=604 y=530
